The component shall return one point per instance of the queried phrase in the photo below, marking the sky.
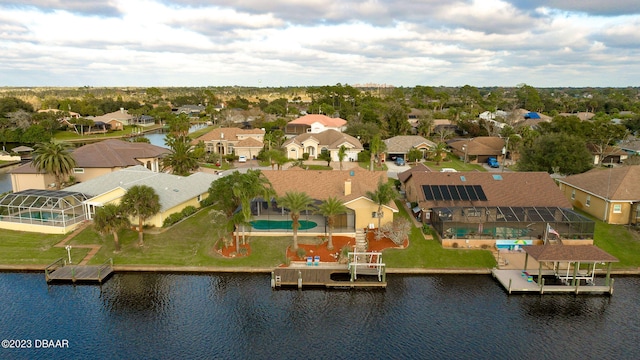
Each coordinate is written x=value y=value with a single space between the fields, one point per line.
x=274 y=43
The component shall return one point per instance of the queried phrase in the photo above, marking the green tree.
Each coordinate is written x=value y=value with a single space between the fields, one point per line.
x=556 y=153
x=248 y=187
x=383 y=195
x=296 y=203
x=342 y=154
x=109 y=219
x=330 y=208
x=414 y=155
x=55 y=159
x=183 y=159
x=143 y=202
x=179 y=125
x=376 y=147
x=325 y=156
x=439 y=152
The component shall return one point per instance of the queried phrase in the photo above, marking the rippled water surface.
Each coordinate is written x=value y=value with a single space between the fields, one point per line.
x=238 y=316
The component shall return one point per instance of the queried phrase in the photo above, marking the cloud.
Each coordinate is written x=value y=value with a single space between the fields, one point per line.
x=97 y=8
x=591 y=7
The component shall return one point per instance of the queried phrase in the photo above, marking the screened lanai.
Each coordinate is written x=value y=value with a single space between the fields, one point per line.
x=43 y=207
x=510 y=223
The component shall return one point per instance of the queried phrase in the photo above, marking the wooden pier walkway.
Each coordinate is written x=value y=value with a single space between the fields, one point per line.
x=60 y=271
x=330 y=276
x=514 y=282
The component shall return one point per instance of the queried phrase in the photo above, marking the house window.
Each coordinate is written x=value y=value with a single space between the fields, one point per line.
x=573 y=194
x=588 y=202
x=78 y=170
x=199 y=198
x=617 y=208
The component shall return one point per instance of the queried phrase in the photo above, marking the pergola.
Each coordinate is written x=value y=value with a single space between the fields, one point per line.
x=573 y=255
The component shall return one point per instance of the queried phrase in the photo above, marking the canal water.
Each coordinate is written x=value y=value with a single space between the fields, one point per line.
x=238 y=316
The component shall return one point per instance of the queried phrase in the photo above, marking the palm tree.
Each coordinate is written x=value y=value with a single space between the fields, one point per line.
x=249 y=186
x=439 y=152
x=54 y=159
x=376 y=147
x=110 y=219
x=182 y=159
x=384 y=194
x=331 y=208
x=140 y=201
x=342 y=153
x=295 y=202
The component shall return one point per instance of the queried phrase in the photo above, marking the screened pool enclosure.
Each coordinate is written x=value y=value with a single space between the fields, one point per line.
x=43 y=207
x=510 y=223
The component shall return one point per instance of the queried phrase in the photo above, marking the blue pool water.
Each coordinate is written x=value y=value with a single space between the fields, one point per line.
x=282 y=224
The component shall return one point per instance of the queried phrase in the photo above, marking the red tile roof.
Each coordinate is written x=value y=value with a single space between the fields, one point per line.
x=323 y=119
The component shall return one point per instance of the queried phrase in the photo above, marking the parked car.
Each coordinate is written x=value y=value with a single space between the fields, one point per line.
x=493 y=162
x=242 y=159
x=399 y=161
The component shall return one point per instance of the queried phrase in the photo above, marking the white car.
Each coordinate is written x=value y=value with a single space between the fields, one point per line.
x=242 y=159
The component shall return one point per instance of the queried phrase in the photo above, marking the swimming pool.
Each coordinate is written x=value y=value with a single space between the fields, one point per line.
x=281 y=224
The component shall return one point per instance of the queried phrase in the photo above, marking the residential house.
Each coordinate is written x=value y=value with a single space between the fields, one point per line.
x=117 y=119
x=327 y=141
x=611 y=195
x=399 y=146
x=314 y=123
x=609 y=155
x=193 y=111
x=582 y=115
x=241 y=142
x=93 y=160
x=477 y=150
x=631 y=146
x=175 y=192
x=480 y=207
x=350 y=186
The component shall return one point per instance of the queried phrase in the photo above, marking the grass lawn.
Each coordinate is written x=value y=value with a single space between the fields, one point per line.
x=454 y=163
x=22 y=248
x=618 y=241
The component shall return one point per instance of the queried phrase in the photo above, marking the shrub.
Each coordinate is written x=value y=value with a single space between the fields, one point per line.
x=300 y=253
x=172 y=219
x=364 y=156
x=305 y=156
x=189 y=210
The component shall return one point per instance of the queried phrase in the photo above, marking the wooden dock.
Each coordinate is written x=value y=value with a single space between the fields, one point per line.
x=514 y=281
x=59 y=271
x=328 y=276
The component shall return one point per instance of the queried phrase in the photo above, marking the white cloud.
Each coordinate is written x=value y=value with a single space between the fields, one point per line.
x=289 y=42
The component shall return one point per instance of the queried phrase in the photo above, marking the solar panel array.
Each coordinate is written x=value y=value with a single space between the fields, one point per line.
x=454 y=192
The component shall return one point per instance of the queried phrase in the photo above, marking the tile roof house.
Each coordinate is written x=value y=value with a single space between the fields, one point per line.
x=241 y=142
x=93 y=160
x=479 y=149
x=611 y=195
x=316 y=143
x=314 y=123
x=117 y=119
x=175 y=192
x=402 y=144
x=506 y=205
x=350 y=186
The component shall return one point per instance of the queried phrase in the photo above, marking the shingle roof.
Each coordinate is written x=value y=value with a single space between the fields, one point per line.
x=403 y=143
x=403 y=176
x=323 y=119
x=620 y=183
x=481 y=145
x=332 y=139
x=171 y=189
x=249 y=142
x=582 y=253
x=229 y=134
x=504 y=189
x=322 y=184
x=115 y=153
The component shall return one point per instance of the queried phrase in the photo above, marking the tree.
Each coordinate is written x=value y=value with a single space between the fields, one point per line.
x=439 y=152
x=179 y=125
x=182 y=160
x=342 y=154
x=376 y=147
x=110 y=219
x=143 y=202
x=383 y=194
x=249 y=186
x=325 y=156
x=55 y=159
x=414 y=155
x=562 y=153
x=295 y=202
x=330 y=208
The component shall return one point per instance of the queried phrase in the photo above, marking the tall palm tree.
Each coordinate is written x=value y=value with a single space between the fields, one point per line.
x=182 y=159
x=342 y=153
x=249 y=186
x=143 y=202
x=383 y=194
x=330 y=208
x=295 y=202
x=439 y=152
x=376 y=147
x=110 y=219
x=54 y=159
